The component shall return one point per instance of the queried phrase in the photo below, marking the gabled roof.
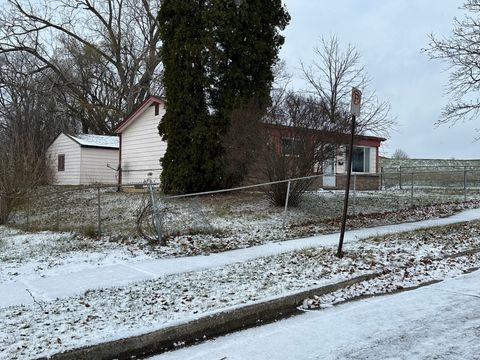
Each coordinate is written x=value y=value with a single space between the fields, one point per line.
x=99 y=141
x=140 y=109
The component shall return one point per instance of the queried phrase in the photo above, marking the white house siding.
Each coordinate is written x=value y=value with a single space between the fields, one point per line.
x=66 y=146
x=94 y=165
x=142 y=148
x=373 y=159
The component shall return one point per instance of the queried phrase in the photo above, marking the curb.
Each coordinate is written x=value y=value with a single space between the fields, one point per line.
x=203 y=328
x=222 y=322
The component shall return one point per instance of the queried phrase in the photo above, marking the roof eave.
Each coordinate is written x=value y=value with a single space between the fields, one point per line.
x=135 y=113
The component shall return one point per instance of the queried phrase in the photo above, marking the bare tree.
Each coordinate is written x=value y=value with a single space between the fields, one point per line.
x=21 y=170
x=104 y=54
x=399 y=154
x=28 y=121
x=299 y=138
x=461 y=52
x=331 y=77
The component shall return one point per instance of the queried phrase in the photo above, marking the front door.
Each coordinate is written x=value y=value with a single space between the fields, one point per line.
x=329 y=173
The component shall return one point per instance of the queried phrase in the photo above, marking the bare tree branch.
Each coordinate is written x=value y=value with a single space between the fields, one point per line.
x=105 y=53
x=461 y=54
x=330 y=79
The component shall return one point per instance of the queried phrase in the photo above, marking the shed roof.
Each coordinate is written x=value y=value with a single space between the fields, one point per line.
x=100 y=141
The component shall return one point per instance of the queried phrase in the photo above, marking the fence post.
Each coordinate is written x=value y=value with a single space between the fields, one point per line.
x=157 y=222
x=57 y=217
x=28 y=212
x=411 y=193
x=354 y=193
x=287 y=197
x=1 y=210
x=464 y=183
x=400 y=177
x=99 y=214
x=381 y=178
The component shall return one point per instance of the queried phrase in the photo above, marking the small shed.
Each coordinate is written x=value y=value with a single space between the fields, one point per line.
x=141 y=147
x=83 y=159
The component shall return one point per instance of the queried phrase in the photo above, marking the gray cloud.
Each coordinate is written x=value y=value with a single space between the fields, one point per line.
x=390 y=35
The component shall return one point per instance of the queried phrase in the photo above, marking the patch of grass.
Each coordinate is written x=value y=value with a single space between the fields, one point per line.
x=89 y=231
x=199 y=230
x=434 y=234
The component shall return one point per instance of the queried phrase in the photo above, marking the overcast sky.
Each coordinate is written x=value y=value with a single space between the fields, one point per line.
x=389 y=34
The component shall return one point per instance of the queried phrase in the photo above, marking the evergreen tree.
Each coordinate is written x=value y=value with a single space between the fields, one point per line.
x=218 y=57
x=246 y=42
x=245 y=45
x=190 y=162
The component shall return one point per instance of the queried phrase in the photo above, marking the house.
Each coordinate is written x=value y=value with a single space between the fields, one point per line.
x=141 y=147
x=365 y=160
x=83 y=159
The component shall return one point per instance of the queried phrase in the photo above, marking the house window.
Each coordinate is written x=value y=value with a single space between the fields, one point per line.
x=157 y=109
x=292 y=147
x=61 y=162
x=361 y=159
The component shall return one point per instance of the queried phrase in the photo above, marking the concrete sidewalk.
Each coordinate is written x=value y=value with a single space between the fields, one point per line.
x=49 y=288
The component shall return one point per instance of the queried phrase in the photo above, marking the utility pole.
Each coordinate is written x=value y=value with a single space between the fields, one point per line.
x=355 y=111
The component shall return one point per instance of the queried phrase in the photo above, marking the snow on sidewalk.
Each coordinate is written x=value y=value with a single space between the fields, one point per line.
x=59 y=286
x=435 y=322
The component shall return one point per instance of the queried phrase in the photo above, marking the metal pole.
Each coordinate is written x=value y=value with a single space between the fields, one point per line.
x=156 y=217
x=28 y=212
x=347 y=191
x=3 y=216
x=354 y=193
x=99 y=217
x=411 y=193
x=464 y=183
x=57 y=210
x=400 y=177
x=286 y=204
x=381 y=178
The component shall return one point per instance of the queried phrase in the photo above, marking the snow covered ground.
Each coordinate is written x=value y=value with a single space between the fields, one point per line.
x=440 y=321
x=70 y=273
x=48 y=326
x=25 y=255
x=228 y=221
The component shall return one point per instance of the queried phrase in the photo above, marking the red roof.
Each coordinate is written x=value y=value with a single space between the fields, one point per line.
x=136 y=112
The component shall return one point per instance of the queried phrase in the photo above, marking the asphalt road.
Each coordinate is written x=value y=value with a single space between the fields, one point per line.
x=441 y=321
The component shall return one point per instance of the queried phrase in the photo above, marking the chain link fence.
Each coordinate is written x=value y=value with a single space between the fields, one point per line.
x=243 y=214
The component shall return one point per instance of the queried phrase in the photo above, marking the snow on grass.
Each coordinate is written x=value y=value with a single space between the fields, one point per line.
x=431 y=257
x=110 y=313
x=47 y=253
x=107 y=314
x=416 y=274
x=243 y=214
x=24 y=255
x=435 y=322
